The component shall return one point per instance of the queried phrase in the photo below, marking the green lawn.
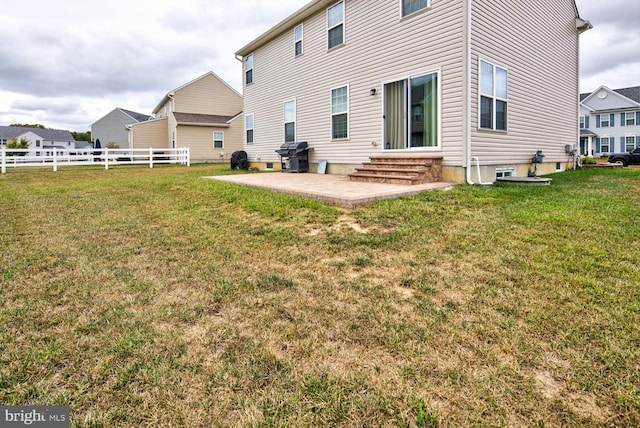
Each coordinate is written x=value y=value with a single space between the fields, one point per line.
x=152 y=297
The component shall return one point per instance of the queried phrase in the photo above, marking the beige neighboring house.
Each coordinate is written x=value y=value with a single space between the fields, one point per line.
x=204 y=115
x=450 y=79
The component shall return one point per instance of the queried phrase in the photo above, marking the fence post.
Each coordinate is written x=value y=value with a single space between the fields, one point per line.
x=55 y=160
x=188 y=155
x=3 y=155
x=106 y=158
x=150 y=157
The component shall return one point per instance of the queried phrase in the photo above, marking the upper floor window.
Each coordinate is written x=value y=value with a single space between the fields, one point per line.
x=248 y=69
x=218 y=140
x=630 y=119
x=493 y=97
x=412 y=6
x=290 y=121
x=582 y=121
x=605 y=120
x=37 y=143
x=335 y=25
x=297 y=39
x=340 y=112
x=248 y=126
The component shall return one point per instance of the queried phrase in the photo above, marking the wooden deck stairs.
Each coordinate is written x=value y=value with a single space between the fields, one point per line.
x=400 y=170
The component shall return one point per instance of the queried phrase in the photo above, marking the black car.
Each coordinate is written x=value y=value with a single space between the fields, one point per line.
x=630 y=158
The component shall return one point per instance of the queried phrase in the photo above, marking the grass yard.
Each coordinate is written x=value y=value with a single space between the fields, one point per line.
x=152 y=297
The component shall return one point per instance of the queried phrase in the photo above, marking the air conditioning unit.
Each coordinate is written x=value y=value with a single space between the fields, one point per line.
x=569 y=148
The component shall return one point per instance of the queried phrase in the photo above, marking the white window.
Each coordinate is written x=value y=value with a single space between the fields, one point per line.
x=604 y=120
x=290 y=121
x=412 y=6
x=249 y=128
x=582 y=122
x=630 y=119
x=493 y=97
x=604 y=145
x=629 y=143
x=505 y=172
x=340 y=113
x=248 y=69
x=218 y=139
x=297 y=40
x=335 y=25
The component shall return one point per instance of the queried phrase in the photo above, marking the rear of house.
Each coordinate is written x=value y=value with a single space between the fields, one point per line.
x=450 y=79
x=204 y=114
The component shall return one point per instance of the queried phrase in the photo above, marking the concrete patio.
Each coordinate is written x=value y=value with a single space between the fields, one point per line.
x=329 y=188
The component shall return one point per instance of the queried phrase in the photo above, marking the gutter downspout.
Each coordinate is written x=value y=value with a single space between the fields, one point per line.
x=467 y=121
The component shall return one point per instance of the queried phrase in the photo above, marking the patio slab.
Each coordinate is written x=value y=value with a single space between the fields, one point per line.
x=330 y=188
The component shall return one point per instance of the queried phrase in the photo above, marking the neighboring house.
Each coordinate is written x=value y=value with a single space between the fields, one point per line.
x=609 y=121
x=42 y=142
x=456 y=79
x=204 y=115
x=111 y=129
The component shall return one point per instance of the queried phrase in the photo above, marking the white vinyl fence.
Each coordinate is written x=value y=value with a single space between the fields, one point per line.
x=16 y=158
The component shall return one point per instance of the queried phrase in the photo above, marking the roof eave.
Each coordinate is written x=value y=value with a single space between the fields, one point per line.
x=293 y=19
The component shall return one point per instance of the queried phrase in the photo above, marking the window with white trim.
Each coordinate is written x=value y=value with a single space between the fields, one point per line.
x=290 y=121
x=629 y=143
x=582 y=121
x=630 y=118
x=335 y=25
x=604 y=145
x=248 y=69
x=493 y=97
x=218 y=139
x=412 y=6
x=340 y=113
x=604 y=120
x=297 y=39
x=248 y=126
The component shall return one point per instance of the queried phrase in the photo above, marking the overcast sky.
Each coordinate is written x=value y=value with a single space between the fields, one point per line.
x=66 y=64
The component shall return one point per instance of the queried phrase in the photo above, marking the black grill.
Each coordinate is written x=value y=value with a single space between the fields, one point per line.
x=294 y=157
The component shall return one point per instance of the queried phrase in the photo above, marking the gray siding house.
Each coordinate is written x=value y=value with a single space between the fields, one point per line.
x=111 y=129
x=467 y=81
x=609 y=121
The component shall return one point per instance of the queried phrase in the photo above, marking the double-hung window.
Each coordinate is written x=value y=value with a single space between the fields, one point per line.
x=340 y=113
x=248 y=126
x=335 y=25
x=629 y=143
x=493 y=97
x=630 y=119
x=248 y=69
x=290 y=121
x=297 y=39
x=604 y=145
x=218 y=140
x=582 y=122
x=412 y=6
x=605 y=120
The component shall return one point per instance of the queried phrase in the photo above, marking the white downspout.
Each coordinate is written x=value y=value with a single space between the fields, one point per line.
x=467 y=121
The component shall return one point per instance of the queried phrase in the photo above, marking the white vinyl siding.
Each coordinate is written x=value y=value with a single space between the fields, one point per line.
x=402 y=48
x=298 y=34
x=335 y=25
x=290 y=121
x=542 y=72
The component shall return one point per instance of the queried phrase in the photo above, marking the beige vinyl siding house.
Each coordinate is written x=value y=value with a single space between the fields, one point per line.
x=196 y=115
x=407 y=82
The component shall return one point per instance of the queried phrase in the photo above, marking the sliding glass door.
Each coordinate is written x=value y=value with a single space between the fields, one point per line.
x=411 y=113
